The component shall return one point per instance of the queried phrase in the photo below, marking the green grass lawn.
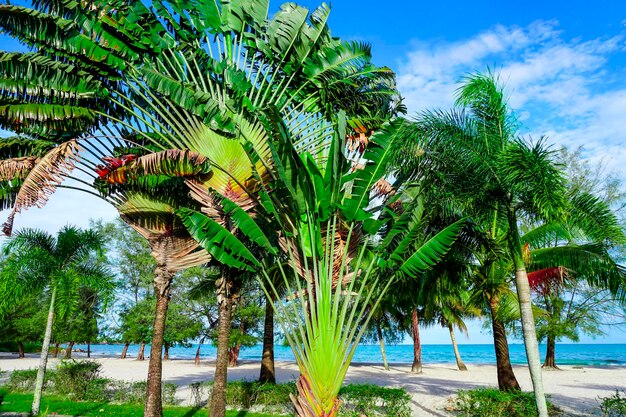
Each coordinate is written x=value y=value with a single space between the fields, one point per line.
x=20 y=402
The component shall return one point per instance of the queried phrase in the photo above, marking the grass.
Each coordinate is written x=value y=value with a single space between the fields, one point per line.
x=21 y=403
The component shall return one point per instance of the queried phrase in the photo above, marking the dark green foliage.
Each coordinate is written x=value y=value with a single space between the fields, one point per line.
x=490 y=402
x=614 y=405
x=30 y=347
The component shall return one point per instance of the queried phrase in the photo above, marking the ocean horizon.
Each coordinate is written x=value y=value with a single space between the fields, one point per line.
x=589 y=354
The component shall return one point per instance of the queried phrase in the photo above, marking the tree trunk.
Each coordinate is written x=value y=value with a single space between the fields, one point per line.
x=550 y=361
x=125 y=350
x=20 y=350
x=166 y=352
x=56 y=349
x=218 y=395
x=530 y=339
x=417 y=345
x=154 y=404
x=68 y=351
x=140 y=354
x=233 y=356
x=528 y=320
x=381 y=340
x=506 y=377
x=89 y=349
x=43 y=361
x=455 y=347
x=197 y=359
x=268 y=373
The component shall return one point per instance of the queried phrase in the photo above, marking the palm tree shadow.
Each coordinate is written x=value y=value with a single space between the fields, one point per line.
x=192 y=412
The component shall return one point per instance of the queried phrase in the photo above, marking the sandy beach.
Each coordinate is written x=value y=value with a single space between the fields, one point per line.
x=574 y=389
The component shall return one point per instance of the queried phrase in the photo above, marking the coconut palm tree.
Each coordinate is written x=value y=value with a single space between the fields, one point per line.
x=503 y=178
x=60 y=266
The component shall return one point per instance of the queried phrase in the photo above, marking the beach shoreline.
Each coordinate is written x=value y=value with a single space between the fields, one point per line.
x=575 y=389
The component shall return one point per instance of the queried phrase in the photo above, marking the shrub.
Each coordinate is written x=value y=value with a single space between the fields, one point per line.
x=490 y=402
x=373 y=400
x=135 y=392
x=24 y=380
x=613 y=405
x=358 y=399
x=75 y=379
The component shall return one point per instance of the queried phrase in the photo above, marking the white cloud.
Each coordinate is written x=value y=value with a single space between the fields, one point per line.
x=565 y=88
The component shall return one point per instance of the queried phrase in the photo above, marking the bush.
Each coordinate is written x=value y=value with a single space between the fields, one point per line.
x=613 y=405
x=357 y=399
x=135 y=392
x=76 y=380
x=24 y=380
x=490 y=402
x=373 y=400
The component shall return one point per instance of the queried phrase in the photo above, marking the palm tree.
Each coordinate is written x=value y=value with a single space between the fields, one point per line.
x=576 y=249
x=59 y=265
x=502 y=177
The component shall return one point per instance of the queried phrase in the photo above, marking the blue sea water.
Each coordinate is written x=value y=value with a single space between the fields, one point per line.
x=566 y=354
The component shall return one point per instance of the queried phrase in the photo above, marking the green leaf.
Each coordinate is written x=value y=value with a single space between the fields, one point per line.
x=219 y=242
x=433 y=250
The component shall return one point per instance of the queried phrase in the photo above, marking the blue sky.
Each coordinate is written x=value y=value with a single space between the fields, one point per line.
x=563 y=63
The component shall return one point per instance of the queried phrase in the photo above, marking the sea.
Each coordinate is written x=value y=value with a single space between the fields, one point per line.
x=566 y=354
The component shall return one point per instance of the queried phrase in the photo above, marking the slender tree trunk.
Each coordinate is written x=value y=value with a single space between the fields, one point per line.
x=140 y=354
x=197 y=359
x=417 y=345
x=381 y=340
x=125 y=350
x=166 y=352
x=56 y=349
x=218 y=395
x=43 y=361
x=550 y=361
x=455 y=347
x=154 y=404
x=528 y=320
x=89 y=349
x=20 y=350
x=233 y=356
x=506 y=377
x=68 y=351
x=268 y=373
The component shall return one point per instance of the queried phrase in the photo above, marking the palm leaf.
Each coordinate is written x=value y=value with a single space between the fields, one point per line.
x=216 y=240
x=44 y=178
x=433 y=250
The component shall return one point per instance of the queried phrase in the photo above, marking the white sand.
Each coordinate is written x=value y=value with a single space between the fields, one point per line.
x=576 y=391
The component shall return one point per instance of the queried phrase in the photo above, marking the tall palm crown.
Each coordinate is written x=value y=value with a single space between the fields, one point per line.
x=38 y=261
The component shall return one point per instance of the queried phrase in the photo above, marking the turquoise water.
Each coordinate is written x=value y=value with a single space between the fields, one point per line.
x=566 y=354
